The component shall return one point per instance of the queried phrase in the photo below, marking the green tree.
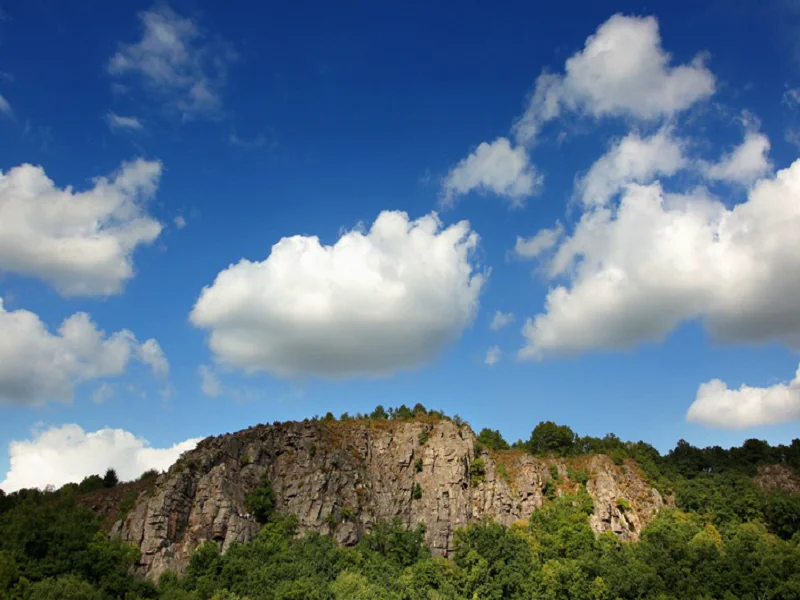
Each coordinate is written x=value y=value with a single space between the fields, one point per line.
x=260 y=502
x=110 y=479
x=549 y=438
x=493 y=439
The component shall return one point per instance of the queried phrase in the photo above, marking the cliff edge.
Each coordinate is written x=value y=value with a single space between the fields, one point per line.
x=341 y=477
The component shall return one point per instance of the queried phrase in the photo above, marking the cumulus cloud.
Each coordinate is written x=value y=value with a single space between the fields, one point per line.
x=374 y=302
x=176 y=61
x=716 y=405
x=66 y=454
x=636 y=271
x=622 y=71
x=537 y=244
x=209 y=382
x=496 y=168
x=746 y=163
x=633 y=159
x=116 y=122
x=500 y=320
x=80 y=242
x=493 y=355
x=38 y=366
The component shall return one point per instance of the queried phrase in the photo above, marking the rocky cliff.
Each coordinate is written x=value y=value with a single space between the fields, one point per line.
x=340 y=478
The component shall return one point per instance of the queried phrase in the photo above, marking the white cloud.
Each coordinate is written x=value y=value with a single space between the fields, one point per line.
x=5 y=107
x=116 y=122
x=371 y=304
x=500 y=320
x=718 y=406
x=37 y=366
x=180 y=221
x=104 y=392
x=632 y=159
x=66 y=454
x=746 y=163
x=495 y=168
x=177 y=61
x=622 y=71
x=791 y=97
x=81 y=243
x=541 y=242
x=150 y=353
x=636 y=271
x=493 y=355
x=209 y=382
x=793 y=137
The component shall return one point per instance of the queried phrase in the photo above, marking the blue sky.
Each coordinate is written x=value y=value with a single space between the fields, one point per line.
x=623 y=177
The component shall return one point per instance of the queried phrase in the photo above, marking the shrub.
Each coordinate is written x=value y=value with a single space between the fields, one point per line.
x=549 y=489
x=261 y=501
x=624 y=505
x=245 y=460
x=416 y=493
x=580 y=476
x=149 y=474
x=418 y=465
x=477 y=471
x=554 y=472
x=423 y=437
x=503 y=472
x=127 y=504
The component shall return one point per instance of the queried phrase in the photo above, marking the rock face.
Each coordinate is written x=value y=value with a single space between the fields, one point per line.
x=778 y=477
x=339 y=478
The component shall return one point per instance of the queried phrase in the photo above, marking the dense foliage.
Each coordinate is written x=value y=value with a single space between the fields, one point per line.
x=726 y=539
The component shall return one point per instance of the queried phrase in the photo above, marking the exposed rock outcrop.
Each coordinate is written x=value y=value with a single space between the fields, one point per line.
x=340 y=478
x=778 y=477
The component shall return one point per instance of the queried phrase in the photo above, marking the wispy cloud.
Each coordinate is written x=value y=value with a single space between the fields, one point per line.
x=176 y=61
x=119 y=123
x=5 y=107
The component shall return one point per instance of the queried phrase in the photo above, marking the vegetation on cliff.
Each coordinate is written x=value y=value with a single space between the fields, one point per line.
x=726 y=538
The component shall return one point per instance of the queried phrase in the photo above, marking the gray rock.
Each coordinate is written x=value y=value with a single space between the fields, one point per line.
x=340 y=478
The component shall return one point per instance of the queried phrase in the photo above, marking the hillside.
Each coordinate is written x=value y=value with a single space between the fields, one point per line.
x=342 y=478
x=411 y=505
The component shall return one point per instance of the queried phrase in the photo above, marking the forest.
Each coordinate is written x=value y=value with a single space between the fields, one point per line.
x=725 y=538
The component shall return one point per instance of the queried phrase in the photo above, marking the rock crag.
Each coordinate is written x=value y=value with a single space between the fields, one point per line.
x=340 y=478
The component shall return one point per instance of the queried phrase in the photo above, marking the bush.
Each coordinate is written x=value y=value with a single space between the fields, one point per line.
x=423 y=437
x=149 y=474
x=477 y=471
x=580 y=476
x=503 y=472
x=418 y=465
x=549 y=489
x=554 y=472
x=261 y=501
x=416 y=493
x=623 y=505
x=127 y=504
